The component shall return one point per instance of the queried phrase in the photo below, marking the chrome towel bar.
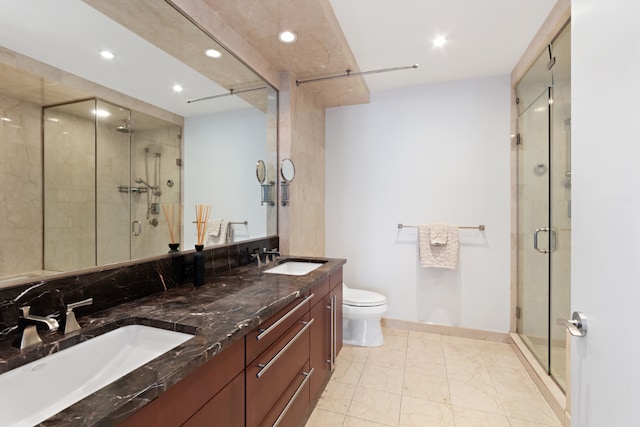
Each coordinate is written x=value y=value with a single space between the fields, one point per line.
x=477 y=227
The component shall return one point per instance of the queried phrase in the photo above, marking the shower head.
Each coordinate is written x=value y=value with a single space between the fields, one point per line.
x=125 y=127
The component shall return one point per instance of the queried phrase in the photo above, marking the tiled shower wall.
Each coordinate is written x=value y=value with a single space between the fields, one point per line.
x=20 y=187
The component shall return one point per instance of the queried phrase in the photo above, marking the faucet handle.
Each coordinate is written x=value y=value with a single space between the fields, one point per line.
x=82 y=303
x=256 y=255
x=71 y=323
x=24 y=310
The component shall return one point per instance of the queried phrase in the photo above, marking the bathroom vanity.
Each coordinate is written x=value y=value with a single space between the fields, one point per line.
x=263 y=350
x=288 y=359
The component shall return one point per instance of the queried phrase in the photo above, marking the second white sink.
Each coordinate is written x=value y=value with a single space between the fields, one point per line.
x=34 y=392
x=294 y=268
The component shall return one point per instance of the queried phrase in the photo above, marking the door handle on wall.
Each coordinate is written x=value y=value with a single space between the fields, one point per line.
x=577 y=326
x=136 y=228
x=535 y=240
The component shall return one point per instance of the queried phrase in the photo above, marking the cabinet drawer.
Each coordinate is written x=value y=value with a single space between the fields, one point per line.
x=292 y=406
x=185 y=398
x=264 y=335
x=272 y=372
x=319 y=291
x=225 y=409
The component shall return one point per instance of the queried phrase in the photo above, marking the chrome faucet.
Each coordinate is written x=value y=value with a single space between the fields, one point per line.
x=27 y=327
x=71 y=323
x=270 y=256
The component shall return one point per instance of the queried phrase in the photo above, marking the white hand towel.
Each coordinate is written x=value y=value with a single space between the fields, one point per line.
x=217 y=232
x=438 y=255
x=438 y=234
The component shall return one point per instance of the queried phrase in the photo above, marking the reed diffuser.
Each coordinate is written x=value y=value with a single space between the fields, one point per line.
x=202 y=217
x=173 y=223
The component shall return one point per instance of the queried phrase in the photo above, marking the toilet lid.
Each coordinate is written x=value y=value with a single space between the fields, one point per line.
x=362 y=298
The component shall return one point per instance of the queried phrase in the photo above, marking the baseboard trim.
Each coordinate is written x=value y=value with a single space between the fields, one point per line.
x=476 y=334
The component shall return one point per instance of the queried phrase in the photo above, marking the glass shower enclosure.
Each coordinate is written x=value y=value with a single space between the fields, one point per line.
x=544 y=205
x=107 y=172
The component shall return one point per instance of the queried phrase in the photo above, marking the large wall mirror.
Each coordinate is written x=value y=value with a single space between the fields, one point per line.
x=97 y=153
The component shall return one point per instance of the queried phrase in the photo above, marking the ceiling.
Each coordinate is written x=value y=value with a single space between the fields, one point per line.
x=484 y=38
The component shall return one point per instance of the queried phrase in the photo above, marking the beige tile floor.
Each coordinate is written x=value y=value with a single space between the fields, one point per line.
x=422 y=379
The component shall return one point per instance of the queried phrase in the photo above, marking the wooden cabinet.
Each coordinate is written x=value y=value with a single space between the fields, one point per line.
x=336 y=293
x=269 y=378
x=203 y=390
x=276 y=378
x=326 y=332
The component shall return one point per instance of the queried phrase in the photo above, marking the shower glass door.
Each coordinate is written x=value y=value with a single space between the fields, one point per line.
x=109 y=174
x=544 y=206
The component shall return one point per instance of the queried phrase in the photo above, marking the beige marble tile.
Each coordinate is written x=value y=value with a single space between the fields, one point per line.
x=386 y=331
x=321 y=418
x=527 y=406
x=395 y=342
x=425 y=364
x=420 y=345
x=510 y=379
x=468 y=370
x=424 y=349
x=460 y=349
x=423 y=413
x=426 y=387
x=523 y=423
x=424 y=336
x=348 y=371
x=376 y=406
x=475 y=395
x=381 y=378
x=471 y=418
x=354 y=353
x=387 y=358
x=357 y=422
x=501 y=359
x=336 y=397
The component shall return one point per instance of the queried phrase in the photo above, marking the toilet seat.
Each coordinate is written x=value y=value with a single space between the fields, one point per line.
x=362 y=298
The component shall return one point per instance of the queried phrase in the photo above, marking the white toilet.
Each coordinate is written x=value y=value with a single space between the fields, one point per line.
x=361 y=314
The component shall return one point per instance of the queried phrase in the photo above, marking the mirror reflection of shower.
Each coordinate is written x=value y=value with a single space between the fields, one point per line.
x=153 y=184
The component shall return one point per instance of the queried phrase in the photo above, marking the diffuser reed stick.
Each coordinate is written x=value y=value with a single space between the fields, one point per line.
x=173 y=221
x=202 y=217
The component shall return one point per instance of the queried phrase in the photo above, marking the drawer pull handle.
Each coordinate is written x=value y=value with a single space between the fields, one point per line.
x=265 y=368
x=263 y=332
x=294 y=397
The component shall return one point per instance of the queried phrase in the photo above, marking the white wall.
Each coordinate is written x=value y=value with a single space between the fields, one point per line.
x=221 y=151
x=438 y=153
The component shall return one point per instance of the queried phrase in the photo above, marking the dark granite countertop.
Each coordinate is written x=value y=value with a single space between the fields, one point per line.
x=221 y=312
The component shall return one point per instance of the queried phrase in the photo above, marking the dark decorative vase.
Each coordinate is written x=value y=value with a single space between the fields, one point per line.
x=173 y=247
x=198 y=266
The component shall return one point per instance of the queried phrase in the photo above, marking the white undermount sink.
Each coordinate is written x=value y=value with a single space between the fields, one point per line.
x=34 y=392
x=295 y=268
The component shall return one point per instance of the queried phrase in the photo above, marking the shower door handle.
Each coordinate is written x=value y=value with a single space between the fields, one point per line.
x=535 y=240
x=577 y=326
x=136 y=228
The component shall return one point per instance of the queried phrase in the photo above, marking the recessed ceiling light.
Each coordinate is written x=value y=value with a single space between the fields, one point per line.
x=106 y=54
x=101 y=113
x=213 y=53
x=287 y=37
x=439 y=41
x=177 y=88
x=5 y=119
